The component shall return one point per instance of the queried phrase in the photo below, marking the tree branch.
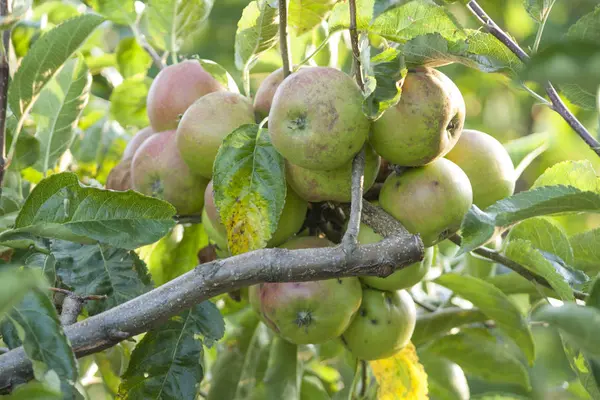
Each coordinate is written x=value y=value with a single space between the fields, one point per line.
x=284 y=40
x=221 y=276
x=557 y=104
x=513 y=265
x=158 y=61
x=4 y=78
x=354 y=41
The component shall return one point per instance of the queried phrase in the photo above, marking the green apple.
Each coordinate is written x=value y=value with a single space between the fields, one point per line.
x=425 y=124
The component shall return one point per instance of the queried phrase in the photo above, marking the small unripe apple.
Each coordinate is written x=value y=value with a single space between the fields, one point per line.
x=331 y=185
x=119 y=178
x=206 y=123
x=316 y=119
x=158 y=170
x=291 y=219
x=487 y=164
x=431 y=200
x=401 y=279
x=174 y=89
x=382 y=326
x=425 y=124
x=264 y=95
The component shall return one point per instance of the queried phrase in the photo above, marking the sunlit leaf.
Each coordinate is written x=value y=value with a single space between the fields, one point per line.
x=256 y=33
x=249 y=186
x=546 y=235
x=132 y=59
x=494 y=304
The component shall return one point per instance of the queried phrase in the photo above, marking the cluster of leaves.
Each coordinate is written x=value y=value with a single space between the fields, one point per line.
x=77 y=94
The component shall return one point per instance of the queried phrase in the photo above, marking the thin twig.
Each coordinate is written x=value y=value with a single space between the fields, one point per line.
x=4 y=78
x=84 y=298
x=513 y=265
x=364 y=377
x=557 y=104
x=425 y=306
x=188 y=219
x=350 y=238
x=354 y=41
x=284 y=40
x=158 y=61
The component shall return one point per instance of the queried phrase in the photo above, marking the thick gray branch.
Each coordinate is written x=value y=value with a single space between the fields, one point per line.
x=208 y=280
x=71 y=308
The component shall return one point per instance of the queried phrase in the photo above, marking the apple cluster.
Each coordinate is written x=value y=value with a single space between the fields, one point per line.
x=316 y=122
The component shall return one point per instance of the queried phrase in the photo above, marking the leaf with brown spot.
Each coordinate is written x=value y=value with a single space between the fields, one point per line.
x=249 y=186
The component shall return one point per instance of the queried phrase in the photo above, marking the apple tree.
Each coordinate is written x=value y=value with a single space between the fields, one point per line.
x=299 y=199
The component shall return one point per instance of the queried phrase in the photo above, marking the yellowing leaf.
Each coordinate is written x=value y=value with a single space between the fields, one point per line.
x=401 y=376
x=249 y=185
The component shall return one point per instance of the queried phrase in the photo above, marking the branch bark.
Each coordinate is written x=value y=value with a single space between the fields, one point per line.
x=221 y=276
x=284 y=43
x=557 y=104
x=4 y=79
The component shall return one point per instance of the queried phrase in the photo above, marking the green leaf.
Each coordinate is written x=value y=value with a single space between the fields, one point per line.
x=128 y=102
x=132 y=59
x=579 y=324
x=35 y=391
x=27 y=152
x=416 y=18
x=45 y=58
x=580 y=96
x=305 y=15
x=176 y=253
x=14 y=284
x=495 y=305
x=569 y=61
x=593 y=298
x=383 y=73
x=249 y=186
x=480 y=354
x=340 y=15
x=523 y=252
x=44 y=340
x=479 y=50
x=167 y=362
x=445 y=379
x=257 y=32
x=281 y=376
x=60 y=207
x=478 y=226
x=220 y=74
x=254 y=362
x=538 y=9
x=169 y=22
x=432 y=325
x=519 y=149
x=546 y=235
x=58 y=109
x=101 y=270
x=119 y=11
x=586 y=250
x=579 y=174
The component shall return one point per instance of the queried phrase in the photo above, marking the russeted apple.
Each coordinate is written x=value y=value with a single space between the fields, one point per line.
x=331 y=185
x=264 y=95
x=425 y=124
x=401 y=279
x=158 y=170
x=431 y=200
x=119 y=178
x=487 y=164
x=206 y=123
x=316 y=119
x=174 y=89
x=291 y=219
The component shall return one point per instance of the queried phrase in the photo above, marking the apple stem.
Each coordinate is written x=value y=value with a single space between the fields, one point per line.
x=4 y=78
x=284 y=40
x=557 y=104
